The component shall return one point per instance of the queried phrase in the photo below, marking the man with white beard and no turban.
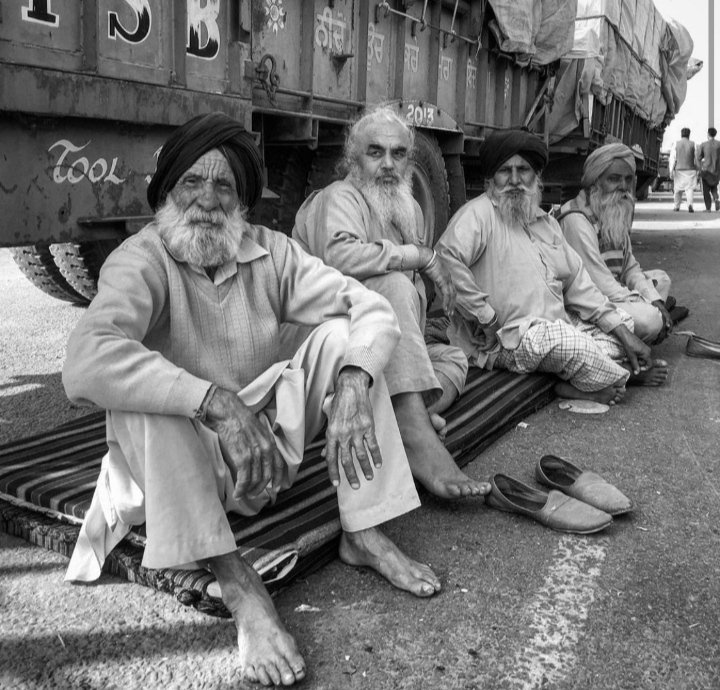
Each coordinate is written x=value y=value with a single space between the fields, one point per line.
x=181 y=346
x=370 y=227
x=597 y=225
x=524 y=300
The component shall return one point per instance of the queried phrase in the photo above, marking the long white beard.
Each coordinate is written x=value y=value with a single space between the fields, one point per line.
x=517 y=206
x=393 y=202
x=198 y=245
x=614 y=212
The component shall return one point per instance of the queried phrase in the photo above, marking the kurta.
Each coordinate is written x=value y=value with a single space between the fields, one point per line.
x=522 y=276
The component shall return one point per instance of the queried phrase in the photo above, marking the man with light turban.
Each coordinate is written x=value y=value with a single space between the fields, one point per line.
x=524 y=300
x=597 y=225
x=181 y=346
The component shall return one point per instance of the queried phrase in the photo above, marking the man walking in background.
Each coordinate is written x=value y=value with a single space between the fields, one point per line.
x=683 y=169
x=709 y=165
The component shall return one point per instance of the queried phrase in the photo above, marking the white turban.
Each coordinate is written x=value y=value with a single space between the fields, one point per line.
x=601 y=159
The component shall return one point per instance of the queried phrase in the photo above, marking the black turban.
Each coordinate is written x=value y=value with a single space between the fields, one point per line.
x=195 y=138
x=501 y=145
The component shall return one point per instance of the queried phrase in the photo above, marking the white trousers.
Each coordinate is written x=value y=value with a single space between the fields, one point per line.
x=169 y=473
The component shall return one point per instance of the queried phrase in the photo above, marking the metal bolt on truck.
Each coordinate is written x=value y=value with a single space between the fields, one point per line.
x=90 y=89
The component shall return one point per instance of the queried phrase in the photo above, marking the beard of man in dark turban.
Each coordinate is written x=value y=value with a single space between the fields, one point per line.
x=188 y=237
x=516 y=203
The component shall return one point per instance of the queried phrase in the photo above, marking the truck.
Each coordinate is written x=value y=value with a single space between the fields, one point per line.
x=89 y=90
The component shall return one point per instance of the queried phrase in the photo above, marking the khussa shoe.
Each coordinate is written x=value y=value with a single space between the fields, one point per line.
x=701 y=347
x=553 y=509
x=585 y=486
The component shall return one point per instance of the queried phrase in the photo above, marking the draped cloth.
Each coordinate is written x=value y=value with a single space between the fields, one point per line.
x=195 y=138
x=601 y=159
x=501 y=145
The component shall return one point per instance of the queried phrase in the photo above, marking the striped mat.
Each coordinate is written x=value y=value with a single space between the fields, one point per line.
x=47 y=482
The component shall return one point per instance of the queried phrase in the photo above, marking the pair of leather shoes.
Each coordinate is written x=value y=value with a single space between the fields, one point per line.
x=701 y=347
x=578 y=502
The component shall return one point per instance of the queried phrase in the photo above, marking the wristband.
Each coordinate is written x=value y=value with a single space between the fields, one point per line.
x=430 y=263
x=201 y=413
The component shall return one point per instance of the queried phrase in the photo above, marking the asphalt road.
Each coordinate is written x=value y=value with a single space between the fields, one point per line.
x=635 y=607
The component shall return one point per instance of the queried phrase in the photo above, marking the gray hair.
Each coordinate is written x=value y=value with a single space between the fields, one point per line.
x=379 y=114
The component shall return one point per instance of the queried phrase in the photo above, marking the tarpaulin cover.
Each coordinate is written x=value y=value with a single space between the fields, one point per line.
x=537 y=31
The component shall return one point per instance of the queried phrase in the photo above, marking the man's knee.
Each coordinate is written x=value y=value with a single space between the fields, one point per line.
x=661 y=281
x=648 y=323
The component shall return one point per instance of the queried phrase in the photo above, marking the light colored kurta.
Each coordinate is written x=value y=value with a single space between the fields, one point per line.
x=155 y=338
x=337 y=225
x=522 y=276
x=615 y=272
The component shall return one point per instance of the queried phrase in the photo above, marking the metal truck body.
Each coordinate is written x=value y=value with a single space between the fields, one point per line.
x=90 y=90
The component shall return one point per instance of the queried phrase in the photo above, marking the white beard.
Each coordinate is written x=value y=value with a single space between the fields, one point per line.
x=197 y=245
x=517 y=206
x=614 y=212
x=393 y=202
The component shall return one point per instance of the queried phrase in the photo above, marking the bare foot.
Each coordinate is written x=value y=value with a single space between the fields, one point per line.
x=439 y=424
x=610 y=395
x=654 y=375
x=371 y=548
x=429 y=460
x=268 y=653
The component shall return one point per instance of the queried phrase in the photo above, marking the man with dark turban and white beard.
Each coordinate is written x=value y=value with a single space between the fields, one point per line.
x=181 y=346
x=597 y=224
x=370 y=227
x=524 y=300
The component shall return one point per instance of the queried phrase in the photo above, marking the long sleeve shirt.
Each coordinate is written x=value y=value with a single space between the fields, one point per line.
x=615 y=272
x=709 y=157
x=520 y=275
x=337 y=225
x=160 y=332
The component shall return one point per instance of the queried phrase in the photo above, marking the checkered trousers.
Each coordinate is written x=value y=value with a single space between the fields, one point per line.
x=579 y=353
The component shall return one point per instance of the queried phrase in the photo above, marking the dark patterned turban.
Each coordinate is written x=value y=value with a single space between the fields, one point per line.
x=502 y=145
x=195 y=138
x=601 y=159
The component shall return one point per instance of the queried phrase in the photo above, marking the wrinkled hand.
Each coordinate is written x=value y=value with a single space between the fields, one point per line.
x=490 y=332
x=638 y=353
x=667 y=321
x=437 y=271
x=351 y=430
x=246 y=444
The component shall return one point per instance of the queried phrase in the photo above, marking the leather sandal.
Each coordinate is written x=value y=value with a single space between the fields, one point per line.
x=702 y=347
x=585 y=486
x=553 y=509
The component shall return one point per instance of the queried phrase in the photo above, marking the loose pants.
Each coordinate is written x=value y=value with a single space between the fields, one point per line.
x=169 y=472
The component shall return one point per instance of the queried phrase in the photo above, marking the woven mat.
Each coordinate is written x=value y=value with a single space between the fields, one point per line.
x=47 y=482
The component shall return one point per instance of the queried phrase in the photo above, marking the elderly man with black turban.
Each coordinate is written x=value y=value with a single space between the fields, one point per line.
x=597 y=224
x=181 y=346
x=524 y=301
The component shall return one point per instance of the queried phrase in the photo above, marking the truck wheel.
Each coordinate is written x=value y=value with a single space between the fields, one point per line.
x=38 y=266
x=430 y=186
x=288 y=170
x=80 y=263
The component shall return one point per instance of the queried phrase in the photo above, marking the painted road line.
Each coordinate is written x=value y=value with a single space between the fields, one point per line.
x=557 y=613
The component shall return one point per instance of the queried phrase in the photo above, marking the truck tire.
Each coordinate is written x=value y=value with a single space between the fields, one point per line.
x=38 y=266
x=431 y=187
x=288 y=170
x=80 y=263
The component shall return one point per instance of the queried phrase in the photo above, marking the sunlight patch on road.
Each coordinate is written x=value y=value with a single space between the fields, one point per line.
x=557 y=613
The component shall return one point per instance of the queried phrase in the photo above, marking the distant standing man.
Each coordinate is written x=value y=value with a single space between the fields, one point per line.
x=709 y=165
x=596 y=224
x=683 y=169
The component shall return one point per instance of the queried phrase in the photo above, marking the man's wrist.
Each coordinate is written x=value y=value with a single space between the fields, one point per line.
x=202 y=411
x=489 y=324
x=429 y=264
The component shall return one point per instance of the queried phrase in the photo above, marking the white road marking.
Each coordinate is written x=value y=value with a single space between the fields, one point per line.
x=557 y=613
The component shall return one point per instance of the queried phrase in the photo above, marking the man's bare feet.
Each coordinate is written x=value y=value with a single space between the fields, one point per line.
x=610 y=395
x=371 y=548
x=439 y=424
x=429 y=460
x=268 y=653
x=654 y=375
